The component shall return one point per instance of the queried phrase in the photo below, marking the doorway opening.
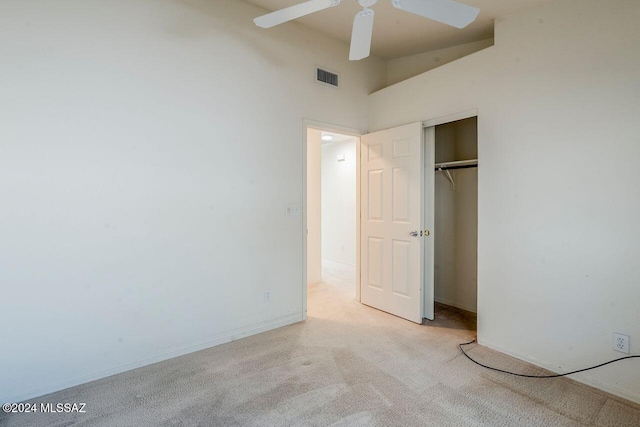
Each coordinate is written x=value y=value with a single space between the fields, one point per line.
x=456 y=221
x=332 y=212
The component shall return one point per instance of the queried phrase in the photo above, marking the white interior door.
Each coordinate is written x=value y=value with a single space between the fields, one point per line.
x=392 y=233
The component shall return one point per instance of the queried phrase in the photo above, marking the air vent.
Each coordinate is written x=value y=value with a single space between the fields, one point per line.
x=327 y=77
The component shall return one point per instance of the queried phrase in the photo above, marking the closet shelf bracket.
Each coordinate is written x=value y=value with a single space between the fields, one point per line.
x=449 y=177
x=461 y=164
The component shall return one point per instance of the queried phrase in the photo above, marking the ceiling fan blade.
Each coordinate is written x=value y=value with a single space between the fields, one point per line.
x=294 y=12
x=446 y=11
x=361 y=35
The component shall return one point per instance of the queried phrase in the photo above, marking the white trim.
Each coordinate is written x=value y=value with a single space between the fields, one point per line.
x=428 y=221
x=423 y=221
x=450 y=118
x=213 y=341
x=309 y=123
x=581 y=378
x=358 y=219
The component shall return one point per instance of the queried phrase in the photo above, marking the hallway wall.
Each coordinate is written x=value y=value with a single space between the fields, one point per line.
x=339 y=201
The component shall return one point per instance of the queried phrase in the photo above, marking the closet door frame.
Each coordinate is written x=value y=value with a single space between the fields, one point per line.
x=449 y=118
x=429 y=297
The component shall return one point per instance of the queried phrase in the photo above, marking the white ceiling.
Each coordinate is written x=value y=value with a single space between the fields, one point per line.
x=397 y=33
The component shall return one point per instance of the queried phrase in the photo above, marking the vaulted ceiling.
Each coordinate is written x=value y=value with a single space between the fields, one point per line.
x=397 y=33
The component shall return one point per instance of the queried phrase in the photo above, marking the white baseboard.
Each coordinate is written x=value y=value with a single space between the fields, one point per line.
x=581 y=378
x=455 y=304
x=213 y=341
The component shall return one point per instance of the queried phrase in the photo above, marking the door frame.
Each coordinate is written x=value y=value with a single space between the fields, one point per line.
x=309 y=123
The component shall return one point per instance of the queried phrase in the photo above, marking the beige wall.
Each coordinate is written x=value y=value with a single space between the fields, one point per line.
x=558 y=108
x=409 y=66
x=147 y=162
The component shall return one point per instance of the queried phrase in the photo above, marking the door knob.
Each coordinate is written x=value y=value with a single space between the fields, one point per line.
x=427 y=233
x=413 y=234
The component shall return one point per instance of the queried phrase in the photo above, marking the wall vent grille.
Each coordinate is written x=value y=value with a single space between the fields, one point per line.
x=326 y=77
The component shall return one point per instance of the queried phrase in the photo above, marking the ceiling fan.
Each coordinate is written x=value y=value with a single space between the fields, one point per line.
x=446 y=11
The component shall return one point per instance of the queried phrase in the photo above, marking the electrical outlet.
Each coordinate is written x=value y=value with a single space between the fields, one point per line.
x=621 y=342
x=267 y=295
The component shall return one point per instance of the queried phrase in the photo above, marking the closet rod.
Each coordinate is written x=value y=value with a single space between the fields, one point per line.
x=449 y=168
x=462 y=164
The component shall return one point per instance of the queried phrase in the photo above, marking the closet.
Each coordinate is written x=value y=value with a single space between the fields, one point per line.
x=456 y=214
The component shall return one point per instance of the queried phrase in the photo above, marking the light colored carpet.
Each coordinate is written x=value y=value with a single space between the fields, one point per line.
x=347 y=365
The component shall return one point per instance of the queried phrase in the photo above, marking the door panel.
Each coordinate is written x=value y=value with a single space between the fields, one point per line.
x=400 y=267
x=375 y=262
x=375 y=194
x=400 y=190
x=392 y=203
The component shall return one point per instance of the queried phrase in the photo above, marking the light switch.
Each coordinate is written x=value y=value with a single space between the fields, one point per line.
x=341 y=157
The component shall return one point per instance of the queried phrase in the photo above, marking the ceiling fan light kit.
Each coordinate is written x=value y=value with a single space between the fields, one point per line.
x=448 y=12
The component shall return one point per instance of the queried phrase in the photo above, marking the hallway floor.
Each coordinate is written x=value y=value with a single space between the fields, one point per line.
x=347 y=365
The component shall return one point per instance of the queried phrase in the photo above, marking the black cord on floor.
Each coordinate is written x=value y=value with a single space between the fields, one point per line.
x=539 y=376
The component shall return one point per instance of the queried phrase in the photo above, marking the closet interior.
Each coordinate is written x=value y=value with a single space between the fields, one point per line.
x=456 y=214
